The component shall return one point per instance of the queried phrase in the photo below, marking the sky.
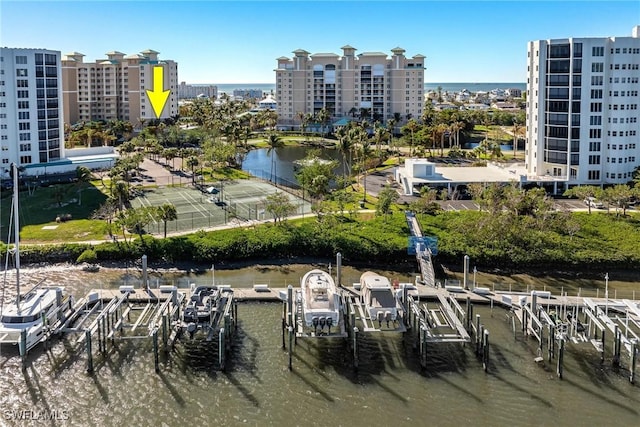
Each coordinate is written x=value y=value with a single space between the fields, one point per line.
x=239 y=41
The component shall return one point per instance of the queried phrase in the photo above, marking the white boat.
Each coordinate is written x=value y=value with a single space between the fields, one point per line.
x=37 y=308
x=378 y=297
x=23 y=322
x=320 y=300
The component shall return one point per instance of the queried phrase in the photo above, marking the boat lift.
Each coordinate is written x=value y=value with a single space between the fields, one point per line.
x=357 y=311
x=221 y=321
x=445 y=322
x=564 y=323
x=294 y=327
x=106 y=315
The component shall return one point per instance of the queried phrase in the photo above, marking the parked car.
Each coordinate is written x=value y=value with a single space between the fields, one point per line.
x=593 y=202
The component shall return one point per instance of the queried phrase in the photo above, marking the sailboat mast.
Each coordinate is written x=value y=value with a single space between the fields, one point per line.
x=16 y=229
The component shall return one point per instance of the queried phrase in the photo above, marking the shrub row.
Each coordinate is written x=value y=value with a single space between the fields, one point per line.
x=602 y=241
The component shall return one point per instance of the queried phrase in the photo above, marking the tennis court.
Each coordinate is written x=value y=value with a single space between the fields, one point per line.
x=214 y=205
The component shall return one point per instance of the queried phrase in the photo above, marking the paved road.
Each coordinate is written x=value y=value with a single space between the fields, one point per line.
x=378 y=180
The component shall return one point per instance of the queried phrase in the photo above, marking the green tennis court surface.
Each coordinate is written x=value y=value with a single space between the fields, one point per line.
x=213 y=205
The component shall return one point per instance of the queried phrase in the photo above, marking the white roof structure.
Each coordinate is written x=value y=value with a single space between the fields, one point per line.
x=419 y=171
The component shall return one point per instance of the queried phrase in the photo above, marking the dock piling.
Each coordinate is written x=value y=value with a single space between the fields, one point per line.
x=560 y=357
x=87 y=334
x=221 y=348
x=156 y=359
x=165 y=322
x=355 y=347
x=22 y=346
x=145 y=281
x=423 y=347
x=339 y=269
x=477 y=333
x=617 y=337
x=290 y=346
x=632 y=360
x=466 y=272
x=485 y=350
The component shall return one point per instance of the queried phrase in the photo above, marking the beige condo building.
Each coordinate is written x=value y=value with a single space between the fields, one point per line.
x=345 y=85
x=115 y=87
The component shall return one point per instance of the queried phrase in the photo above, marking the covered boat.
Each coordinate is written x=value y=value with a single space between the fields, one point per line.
x=378 y=297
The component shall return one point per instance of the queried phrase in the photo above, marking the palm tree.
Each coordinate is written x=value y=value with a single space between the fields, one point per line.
x=365 y=154
x=517 y=130
x=411 y=127
x=308 y=118
x=380 y=135
x=192 y=162
x=323 y=117
x=344 y=145
x=274 y=142
x=167 y=212
x=456 y=127
x=120 y=192
x=90 y=133
x=169 y=154
x=391 y=126
x=441 y=129
x=365 y=113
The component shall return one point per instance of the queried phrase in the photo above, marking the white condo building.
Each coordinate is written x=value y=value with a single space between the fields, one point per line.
x=583 y=122
x=31 y=127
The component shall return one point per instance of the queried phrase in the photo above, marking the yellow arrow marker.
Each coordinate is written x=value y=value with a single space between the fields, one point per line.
x=158 y=97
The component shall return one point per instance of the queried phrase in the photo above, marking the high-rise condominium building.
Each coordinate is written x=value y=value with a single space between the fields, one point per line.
x=187 y=91
x=583 y=122
x=115 y=87
x=31 y=127
x=348 y=85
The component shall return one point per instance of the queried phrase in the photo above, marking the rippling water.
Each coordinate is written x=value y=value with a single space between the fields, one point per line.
x=322 y=389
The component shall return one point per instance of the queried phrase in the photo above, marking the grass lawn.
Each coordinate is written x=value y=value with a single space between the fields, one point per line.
x=42 y=207
x=70 y=231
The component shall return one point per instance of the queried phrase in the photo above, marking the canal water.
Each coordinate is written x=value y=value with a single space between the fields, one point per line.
x=257 y=388
x=258 y=162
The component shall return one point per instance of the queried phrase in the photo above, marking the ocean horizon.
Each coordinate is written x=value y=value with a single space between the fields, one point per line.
x=228 y=88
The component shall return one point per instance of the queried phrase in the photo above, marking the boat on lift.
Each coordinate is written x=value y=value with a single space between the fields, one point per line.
x=24 y=321
x=200 y=306
x=320 y=300
x=378 y=296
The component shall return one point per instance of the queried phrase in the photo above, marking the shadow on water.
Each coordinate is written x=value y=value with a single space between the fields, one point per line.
x=601 y=373
x=172 y=390
x=101 y=390
x=242 y=389
x=312 y=383
x=244 y=353
x=523 y=390
x=605 y=398
x=32 y=382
